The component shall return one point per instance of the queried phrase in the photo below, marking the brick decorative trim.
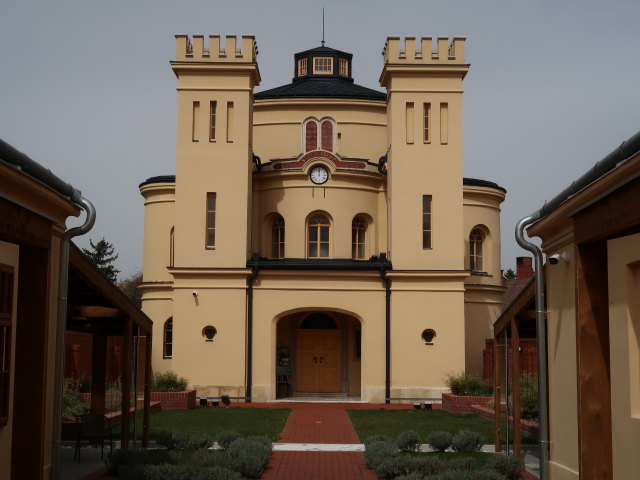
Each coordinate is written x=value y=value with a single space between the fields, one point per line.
x=298 y=164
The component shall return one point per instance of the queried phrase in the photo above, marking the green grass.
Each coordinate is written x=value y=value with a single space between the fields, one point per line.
x=211 y=421
x=392 y=422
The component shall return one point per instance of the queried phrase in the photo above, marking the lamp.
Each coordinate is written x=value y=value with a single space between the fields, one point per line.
x=203 y=401
x=225 y=400
x=416 y=405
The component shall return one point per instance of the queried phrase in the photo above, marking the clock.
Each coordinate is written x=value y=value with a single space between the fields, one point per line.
x=319 y=175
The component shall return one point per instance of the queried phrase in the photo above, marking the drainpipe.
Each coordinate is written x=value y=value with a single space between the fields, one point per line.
x=541 y=333
x=255 y=269
x=387 y=324
x=63 y=285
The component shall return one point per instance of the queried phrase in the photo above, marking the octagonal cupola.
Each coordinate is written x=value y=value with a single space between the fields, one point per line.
x=323 y=62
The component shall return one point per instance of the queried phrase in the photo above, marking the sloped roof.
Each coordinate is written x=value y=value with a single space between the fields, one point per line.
x=322 y=88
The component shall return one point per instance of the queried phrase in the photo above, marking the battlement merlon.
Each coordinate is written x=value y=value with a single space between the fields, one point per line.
x=195 y=50
x=445 y=52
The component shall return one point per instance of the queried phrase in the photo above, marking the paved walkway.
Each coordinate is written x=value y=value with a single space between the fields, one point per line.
x=321 y=423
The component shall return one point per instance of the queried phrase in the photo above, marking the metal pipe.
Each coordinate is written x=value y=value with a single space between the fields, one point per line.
x=63 y=285
x=541 y=333
x=387 y=346
x=254 y=274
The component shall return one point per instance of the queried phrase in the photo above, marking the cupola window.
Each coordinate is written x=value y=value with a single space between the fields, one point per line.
x=344 y=67
x=302 y=67
x=323 y=65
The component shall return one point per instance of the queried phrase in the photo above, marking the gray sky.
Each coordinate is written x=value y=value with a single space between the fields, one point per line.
x=86 y=88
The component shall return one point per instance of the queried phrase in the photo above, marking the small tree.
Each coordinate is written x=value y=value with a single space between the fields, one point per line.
x=129 y=287
x=509 y=274
x=102 y=256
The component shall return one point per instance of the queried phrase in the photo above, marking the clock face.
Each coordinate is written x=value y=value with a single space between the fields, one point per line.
x=319 y=175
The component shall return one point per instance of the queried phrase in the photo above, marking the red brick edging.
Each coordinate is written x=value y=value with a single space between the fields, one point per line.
x=462 y=404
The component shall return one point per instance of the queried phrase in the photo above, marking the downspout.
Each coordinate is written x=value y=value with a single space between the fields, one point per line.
x=541 y=333
x=255 y=269
x=387 y=324
x=63 y=285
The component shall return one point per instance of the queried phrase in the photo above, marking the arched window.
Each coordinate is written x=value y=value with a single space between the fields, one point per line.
x=318 y=236
x=311 y=136
x=277 y=238
x=476 y=239
x=327 y=135
x=167 y=339
x=358 y=228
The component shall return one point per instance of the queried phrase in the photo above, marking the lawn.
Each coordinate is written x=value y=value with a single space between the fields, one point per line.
x=393 y=422
x=211 y=421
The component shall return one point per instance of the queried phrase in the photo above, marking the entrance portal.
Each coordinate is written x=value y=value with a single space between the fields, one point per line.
x=320 y=352
x=318 y=355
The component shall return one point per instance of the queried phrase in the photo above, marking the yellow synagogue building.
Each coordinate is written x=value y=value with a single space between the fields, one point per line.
x=319 y=237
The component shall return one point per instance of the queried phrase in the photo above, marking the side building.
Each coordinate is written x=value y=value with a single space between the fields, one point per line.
x=319 y=237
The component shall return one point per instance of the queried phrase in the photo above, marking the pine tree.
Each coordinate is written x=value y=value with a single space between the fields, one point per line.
x=102 y=256
x=509 y=274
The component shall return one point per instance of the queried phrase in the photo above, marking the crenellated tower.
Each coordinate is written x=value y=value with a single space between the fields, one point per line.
x=213 y=158
x=424 y=108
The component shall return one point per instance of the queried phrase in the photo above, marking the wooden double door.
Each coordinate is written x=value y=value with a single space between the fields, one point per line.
x=318 y=360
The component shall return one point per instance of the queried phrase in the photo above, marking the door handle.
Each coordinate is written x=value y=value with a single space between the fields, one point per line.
x=321 y=359
x=315 y=359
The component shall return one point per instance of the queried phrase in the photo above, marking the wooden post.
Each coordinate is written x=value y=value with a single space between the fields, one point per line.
x=515 y=372
x=147 y=389
x=98 y=373
x=127 y=342
x=497 y=375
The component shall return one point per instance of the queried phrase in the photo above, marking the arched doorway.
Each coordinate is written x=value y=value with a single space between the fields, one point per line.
x=320 y=352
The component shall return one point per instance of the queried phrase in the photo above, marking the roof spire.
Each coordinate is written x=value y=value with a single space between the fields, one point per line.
x=322 y=27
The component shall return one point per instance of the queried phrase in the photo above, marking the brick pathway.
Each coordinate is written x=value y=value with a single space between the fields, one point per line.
x=320 y=423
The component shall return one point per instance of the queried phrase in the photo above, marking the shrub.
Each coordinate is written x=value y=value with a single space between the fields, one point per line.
x=468 y=475
x=507 y=465
x=529 y=395
x=465 y=383
x=168 y=472
x=226 y=438
x=467 y=464
x=72 y=406
x=395 y=466
x=377 y=451
x=410 y=476
x=168 y=382
x=426 y=465
x=376 y=438
x=118 y=460
x=217 y=473
x=467 y=441
x=166 y=439
x=194 y=442
x=210 y=458
x=439 y=441
x=408 y=441
x=249 y=455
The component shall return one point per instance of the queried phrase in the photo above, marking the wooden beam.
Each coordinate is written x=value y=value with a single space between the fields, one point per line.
x=516 y=396
x=594 y=386
x=98 y=373
x=496 y=389
x=95 y=311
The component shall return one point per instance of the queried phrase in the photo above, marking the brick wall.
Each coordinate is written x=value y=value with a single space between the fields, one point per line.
x=528 y=358
x=175 y=400
x=461 y=404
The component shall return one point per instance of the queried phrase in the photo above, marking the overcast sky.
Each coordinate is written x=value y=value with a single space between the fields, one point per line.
x=86 y=88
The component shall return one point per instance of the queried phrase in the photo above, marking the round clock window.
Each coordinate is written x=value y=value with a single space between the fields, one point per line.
x=319 y=175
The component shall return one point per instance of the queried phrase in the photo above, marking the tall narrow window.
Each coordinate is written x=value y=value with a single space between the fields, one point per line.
x=444 y=123
x=195 y=126
x=277 y=238
x=323 y=65
x=167 y=339
x=172 y=250
x=427 y=123
x=358 y=228
x=230 y=122
x=344 y=67
x=6 y=320
x=476 y=239
x=302 y=67
x=318 y=243
x=210 y=241
x=409 y=122
x=426 y=221
x=212 y=121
